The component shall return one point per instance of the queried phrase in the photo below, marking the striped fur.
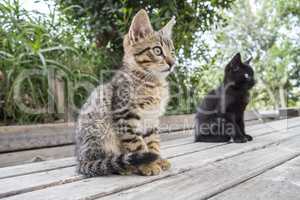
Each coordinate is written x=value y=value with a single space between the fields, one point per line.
x=117 y=128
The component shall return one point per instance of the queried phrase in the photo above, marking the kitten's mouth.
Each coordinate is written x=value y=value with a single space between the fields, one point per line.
x=166 y=70
x=169 y=69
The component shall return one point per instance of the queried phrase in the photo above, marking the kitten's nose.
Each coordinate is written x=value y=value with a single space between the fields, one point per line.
x=170 y=62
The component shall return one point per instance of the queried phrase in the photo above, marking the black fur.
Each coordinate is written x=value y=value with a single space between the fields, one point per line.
x=137 y=159
x=220 y=116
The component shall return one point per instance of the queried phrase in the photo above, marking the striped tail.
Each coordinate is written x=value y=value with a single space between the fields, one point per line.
x=115 y=163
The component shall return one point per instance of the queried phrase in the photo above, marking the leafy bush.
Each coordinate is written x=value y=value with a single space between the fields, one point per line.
x=34 y=49
x=66 y=53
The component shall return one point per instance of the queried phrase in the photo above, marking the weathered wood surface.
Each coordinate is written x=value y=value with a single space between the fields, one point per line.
x=282 y=182
x=211 y=179
x=289 y=112
x=199 y=171
x=26 y=144
x=13 y=138
x=57 y=152
x=16 y=138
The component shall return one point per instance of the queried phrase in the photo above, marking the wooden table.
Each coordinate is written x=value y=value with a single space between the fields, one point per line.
x=266 y=168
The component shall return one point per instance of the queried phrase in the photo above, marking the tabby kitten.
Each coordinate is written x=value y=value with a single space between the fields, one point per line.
x=117 y=128
x=220 y=116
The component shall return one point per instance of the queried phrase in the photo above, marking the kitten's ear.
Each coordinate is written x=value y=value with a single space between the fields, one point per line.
x=236 y=60
x=248 y=61
x=140 y=26
x=167 y=29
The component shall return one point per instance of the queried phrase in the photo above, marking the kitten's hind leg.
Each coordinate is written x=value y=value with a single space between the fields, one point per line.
x=241 y=124
x=239 y=139
x=212 y=138
x=238 y=136
x=236 y=129
x=212 y=132
x=249 y=137
x=152 y=139
x=134 y=143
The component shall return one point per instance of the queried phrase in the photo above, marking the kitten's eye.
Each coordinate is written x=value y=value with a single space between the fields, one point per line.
x=157 y=50
x=235 y=68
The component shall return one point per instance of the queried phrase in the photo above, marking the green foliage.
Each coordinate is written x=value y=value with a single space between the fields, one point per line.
x=76 y=44
x=269 y=32
x=79 y=40
x=108 y=21
x=32 y=47
x=189 y=86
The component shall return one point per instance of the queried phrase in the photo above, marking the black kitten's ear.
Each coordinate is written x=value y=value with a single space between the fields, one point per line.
x=236 y=60
x=248 y=61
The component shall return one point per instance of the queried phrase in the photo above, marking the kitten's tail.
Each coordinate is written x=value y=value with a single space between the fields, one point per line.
x=206 y=135
x=115 y=163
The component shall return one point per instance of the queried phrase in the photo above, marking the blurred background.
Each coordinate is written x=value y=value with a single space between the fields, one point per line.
x=54 y=52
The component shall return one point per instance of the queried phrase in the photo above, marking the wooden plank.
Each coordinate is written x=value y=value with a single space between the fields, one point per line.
x=289 y=112
x=250 y=116
x=101 y=186
x=28 y=156
x=15 y=185
x=176 y=123
x=27 y=183
x=212 y=179
x=35 y=136
x=177 y=142
x=269 y=114
x=175 y=135
x=37 y=155
x=14 y=138
x=8 y=172
x=284 y=123
x=264 y=130
x=259 y=130
x=43 y=154
x=282 y=182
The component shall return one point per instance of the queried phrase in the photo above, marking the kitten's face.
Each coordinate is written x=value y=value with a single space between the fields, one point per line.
x=148 y=49
x=241 y=73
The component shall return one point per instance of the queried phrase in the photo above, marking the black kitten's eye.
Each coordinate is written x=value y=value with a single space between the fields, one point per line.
x=157 y=50
x=235 y=68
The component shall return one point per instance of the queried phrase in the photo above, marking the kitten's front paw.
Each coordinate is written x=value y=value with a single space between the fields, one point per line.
x=150 y=169
x=249 y=137
x=240 y=139
x=164 y=164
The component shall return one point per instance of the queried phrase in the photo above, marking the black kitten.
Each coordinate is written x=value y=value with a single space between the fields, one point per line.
x=220 y=116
